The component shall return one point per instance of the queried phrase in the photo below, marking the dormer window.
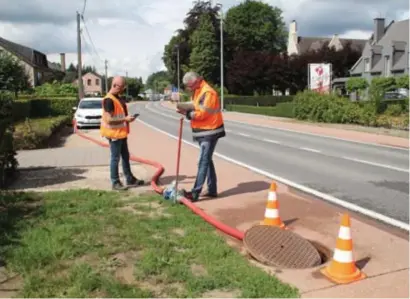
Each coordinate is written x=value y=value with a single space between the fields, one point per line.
x=387 y=69
x=367 y=65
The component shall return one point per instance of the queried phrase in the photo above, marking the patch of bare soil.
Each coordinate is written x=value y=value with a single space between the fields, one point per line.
x=160 y=289
x=198 y=270
x=179 y=232
x=10 y=284
x=157 y=210
x=221 y=294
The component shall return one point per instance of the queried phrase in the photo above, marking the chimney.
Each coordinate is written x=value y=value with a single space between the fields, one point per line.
x=293 y=27
x=62 y=62
x=378 y=29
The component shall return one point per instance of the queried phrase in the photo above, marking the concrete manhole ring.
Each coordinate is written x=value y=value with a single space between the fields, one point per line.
x=273 y=246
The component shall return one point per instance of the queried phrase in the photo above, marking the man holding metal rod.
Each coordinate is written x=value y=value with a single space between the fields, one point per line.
x=207 y=127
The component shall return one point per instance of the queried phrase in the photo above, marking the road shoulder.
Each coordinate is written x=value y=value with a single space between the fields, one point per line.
x=378 y=136
x=242 y=203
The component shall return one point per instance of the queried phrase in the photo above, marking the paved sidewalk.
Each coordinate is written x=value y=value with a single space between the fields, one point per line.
x=242 y=202
x=320 y=129
x=78 y=164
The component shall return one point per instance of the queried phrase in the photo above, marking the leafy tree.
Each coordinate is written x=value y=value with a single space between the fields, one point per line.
x=204 y=57
x=183 y=38
x=255 y=26
x=158 y=81
x=134 y=85
x=13 y=76
x=250 y=72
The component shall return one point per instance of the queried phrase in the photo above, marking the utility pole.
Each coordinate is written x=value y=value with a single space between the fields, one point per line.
x=106 y=77
x=178 y=71
x=222 y=57
x=80 y=64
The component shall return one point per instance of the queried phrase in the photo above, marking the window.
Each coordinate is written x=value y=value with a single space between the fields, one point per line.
x=97 y=82
x=367 y=65
x=387 y=65
x=89 y=82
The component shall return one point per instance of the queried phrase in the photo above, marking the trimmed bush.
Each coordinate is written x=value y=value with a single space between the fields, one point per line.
x=256 y=100
x=280 y=110
x=330 y=108
x=35 y=133
x=43 y=108
x=8 y=162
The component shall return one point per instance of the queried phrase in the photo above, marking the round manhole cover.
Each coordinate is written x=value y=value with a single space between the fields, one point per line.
x=281 y=248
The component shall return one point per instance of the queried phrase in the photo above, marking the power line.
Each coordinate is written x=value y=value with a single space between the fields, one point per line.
x=91 y=40
x=87 y=46
x=85 y=3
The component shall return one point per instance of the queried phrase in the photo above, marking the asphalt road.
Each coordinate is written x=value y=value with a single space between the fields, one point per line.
x=370 y=176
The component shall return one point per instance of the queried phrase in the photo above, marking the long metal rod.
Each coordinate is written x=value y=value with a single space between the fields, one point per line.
x=181 y=124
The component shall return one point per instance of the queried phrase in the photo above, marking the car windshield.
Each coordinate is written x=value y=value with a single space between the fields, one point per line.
x=90 y=105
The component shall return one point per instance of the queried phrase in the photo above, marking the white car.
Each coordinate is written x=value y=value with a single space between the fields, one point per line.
x=88 y=112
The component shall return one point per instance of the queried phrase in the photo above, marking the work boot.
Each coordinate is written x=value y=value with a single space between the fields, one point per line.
x=119 y=187
x=135 y=182
x=191 y=196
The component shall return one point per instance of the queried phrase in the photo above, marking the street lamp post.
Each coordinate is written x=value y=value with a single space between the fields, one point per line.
x=222 y=55
x=177 y=47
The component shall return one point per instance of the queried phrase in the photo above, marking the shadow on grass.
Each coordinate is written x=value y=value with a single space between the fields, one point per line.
x=15 y=209
x=46 y=176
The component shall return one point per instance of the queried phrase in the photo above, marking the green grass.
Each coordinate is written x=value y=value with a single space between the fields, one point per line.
x=34 y=133
x=84 y=243
x=280 y=110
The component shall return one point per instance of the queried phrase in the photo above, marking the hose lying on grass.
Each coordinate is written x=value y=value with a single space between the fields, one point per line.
x=233 y=232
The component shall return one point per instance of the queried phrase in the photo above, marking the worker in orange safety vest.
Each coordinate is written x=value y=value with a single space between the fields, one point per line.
x=207 y=127
x=115 y=127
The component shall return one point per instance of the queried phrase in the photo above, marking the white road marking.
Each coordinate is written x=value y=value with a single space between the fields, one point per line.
x=318 y=135
x=302 y=188
x=301 y=148
x=271 y=141
x=376 y=164
x=310 y=149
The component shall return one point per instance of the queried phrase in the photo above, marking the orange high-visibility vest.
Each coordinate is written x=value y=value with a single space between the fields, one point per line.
x=206 y=119
x=114 y=131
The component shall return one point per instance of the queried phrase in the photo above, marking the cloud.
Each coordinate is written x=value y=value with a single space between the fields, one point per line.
x=131 y=34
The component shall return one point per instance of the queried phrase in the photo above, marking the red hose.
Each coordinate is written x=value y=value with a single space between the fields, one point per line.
x=233 y=232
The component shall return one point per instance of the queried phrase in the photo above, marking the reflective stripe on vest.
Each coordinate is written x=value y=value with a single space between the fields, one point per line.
x=208 y=132
x=207 y=109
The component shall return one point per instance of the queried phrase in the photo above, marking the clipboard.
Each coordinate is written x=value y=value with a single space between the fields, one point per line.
x=185 y=106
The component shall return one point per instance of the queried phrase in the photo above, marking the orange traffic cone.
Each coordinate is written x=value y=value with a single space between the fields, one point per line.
x=343 y=269
x=272 y=209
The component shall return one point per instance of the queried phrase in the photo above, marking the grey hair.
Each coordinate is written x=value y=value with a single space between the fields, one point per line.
x=189 y=77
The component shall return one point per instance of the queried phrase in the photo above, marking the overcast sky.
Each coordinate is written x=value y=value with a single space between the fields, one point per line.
x=131 y=34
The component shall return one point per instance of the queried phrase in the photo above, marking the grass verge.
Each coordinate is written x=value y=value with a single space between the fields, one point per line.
x=84 y=243
x=34 y=133
x=280 y=110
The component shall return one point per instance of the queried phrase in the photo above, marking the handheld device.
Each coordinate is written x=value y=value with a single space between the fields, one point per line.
x=136 y=115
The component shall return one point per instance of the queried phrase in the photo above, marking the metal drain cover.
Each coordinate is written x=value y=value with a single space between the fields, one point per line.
x=273 y=246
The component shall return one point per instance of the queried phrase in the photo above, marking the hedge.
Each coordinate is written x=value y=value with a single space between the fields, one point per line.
x=35 y=133
x=256 y=100
x=8 y=162
x=280 y=110
x=309 y=105
x=43 y=107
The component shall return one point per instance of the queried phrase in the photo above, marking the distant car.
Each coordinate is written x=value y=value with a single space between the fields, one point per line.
x=88 y=113
x=393 y=96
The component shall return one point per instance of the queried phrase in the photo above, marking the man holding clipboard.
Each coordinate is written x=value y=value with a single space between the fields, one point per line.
x=205 y=113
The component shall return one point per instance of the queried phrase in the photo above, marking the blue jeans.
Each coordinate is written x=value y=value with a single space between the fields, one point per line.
x=206 y=168
x=119 y=148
